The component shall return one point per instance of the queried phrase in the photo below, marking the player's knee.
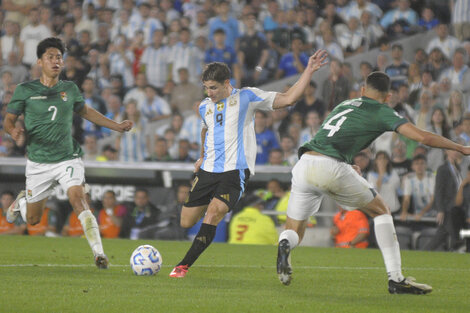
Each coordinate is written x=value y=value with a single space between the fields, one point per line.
x=186 y=222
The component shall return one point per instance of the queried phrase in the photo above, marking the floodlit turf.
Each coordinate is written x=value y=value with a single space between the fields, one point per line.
x=58 y=275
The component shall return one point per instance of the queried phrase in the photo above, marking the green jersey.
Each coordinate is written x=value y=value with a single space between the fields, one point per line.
x=352 y=126
x=48 y=114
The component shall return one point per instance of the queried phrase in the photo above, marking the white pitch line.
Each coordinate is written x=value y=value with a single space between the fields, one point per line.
x=346 y=268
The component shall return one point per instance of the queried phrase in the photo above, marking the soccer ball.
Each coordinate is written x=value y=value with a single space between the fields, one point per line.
x=146 y=260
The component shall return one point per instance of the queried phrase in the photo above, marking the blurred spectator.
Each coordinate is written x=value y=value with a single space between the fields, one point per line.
x=351 y=38
x=176 y=125
x=465 y=134
x=224 y=21
x=330 y=15
x=184 y=148
x=289 y=150
x=138 y=92
x=143 y=21
x=85 y=26
x=31 y=35
x=220 y=52
x=455 y=109
x=184 y=93
x=461 y=19
x=439 y=126
x=114 y=112
x=294 y=62
x=121 y=60
x=17 y=228
x=426 y=80
x=160 y=151
x=423 y=116
x=402 y=12
x=85 y=41
x=73 y=70
x=421 y=58
x=312 y=126
x=427 y=19
x=155 y=60
x=276 y=157
x=458 y=74
x=336 y=87
x=10 y=41
x=199 y=26
x=400 y=163
x=154 y=108
x=418 y=191
x=384 y=178
x=187 y=55
x=463 y=199
x=398 y=70
x=364 y=162
x=381 y=62
x=350 y=229
x=444 y=41
x=372 y=31
x=133 y=145
x=253 y=54
x=108 y=153
x=18 y=72
x=18 y=10
x=449 y=219
x=250 y=226
x=111 y=215
x=192 y=128
x=310 y=102
x=327 y=41
x=141 y=221
x=69 y=37
x=286 y=32
x=122 y=26
x=90 y=148
x=357 y=7
x=437 y=63
x=265 y=138
x=414 y=77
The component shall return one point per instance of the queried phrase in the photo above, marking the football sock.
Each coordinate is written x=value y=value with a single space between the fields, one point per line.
x=23 y=208
x=388 y=244
x=91 y=230
x=203 y=239
x=291 y=236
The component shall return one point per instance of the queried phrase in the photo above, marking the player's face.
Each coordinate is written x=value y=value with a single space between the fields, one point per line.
x=6 y=201
x=217 y=91
x=51 y=62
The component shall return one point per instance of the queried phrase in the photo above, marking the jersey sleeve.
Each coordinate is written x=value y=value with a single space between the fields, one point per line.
x=261 y=100
x=79 y=102
x=390 y=120
x=18 y=101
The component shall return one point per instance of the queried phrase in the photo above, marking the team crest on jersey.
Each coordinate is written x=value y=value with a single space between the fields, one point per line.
x=63 y=95
x=220 y=106
x=30 y=193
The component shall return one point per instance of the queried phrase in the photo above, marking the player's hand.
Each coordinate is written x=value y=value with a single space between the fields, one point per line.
x=125 y=126
x=17 y=133
x=466 y=150
x=197 y=165
x=317 y=60
x=403 y=216
x=357 y=169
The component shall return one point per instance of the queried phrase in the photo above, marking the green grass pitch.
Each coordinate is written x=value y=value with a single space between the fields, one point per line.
x=58 y=275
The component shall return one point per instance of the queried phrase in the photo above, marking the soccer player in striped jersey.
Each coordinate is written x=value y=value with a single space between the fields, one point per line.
x=228 y=150
x=324 y=170
x=54 y=157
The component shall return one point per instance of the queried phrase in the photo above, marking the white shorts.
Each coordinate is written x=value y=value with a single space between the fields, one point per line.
x=313 y=177
x=41 y=178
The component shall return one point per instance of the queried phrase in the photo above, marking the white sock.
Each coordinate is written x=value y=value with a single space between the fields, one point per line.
x=291 y=236
x=23 y=208
x=388 y=244
x=91 y=230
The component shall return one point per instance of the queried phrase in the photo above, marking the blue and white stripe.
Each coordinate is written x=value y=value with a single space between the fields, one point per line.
x=230 y=142
x=156 y=65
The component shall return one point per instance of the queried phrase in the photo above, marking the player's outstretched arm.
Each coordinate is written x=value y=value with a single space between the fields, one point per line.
x=288 y=98
x=99 y=119
x=430 y=139
x=9 y=126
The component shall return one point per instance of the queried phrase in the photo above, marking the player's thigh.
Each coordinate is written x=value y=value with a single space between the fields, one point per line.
x=40 y=181
x=305 y=198
x=70 y=173
x=202 y=189
x=230 y=188
x=191 y=215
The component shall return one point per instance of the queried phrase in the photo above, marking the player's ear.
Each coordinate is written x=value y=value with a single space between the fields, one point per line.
x=363 y=91
x=227 y=83
x=387 y=97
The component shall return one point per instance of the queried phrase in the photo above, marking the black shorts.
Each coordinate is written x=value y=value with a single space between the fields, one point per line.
x=227 y=187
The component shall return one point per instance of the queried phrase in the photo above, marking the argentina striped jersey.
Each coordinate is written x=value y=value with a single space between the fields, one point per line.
x=230 y=142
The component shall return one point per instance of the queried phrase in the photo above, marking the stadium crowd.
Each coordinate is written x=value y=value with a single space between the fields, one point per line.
x=141 y=60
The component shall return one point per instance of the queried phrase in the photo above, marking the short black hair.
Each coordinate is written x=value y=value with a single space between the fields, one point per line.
x=419 y=157
x=216 y=71
x=378 y=81
x=8 y=192
x=219 y=31
x=51 y=42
